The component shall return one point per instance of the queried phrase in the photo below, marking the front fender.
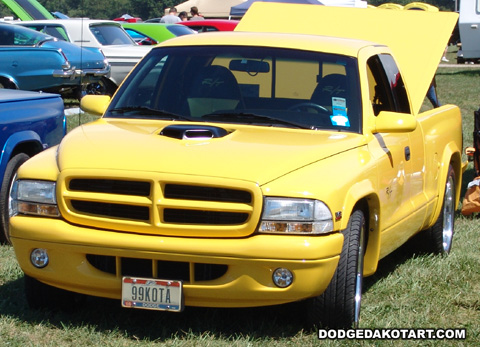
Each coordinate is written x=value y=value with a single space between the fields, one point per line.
x=364 y=194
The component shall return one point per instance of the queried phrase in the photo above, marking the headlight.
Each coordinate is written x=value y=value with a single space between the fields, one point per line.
x=33 y=197
x=295 y=216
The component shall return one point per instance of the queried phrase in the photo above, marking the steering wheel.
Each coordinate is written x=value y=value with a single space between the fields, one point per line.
x=305 y=106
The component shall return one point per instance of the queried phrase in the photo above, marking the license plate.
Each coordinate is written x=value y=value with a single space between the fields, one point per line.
x=152 y=294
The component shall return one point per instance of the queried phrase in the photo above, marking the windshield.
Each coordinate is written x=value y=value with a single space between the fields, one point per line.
x=247 y=85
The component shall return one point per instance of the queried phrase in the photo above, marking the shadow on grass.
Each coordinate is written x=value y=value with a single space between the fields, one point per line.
x=107 y=316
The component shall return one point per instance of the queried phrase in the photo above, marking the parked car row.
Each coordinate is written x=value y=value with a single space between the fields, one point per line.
x=35 y=61
x=108 y=51
x=121 y=50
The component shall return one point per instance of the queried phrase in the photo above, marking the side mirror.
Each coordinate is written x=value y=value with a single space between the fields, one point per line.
x=95 y=104
x=393 y=122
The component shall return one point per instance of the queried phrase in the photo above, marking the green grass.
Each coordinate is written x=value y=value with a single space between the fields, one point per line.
x=411 y=289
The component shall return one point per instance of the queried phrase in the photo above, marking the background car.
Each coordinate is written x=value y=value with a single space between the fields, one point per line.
x=207 y=25
x=153 y=33
x=30 y=60
x=120 y=49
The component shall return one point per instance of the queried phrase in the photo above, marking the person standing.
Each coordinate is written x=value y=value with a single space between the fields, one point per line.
x=183 y=16
x=171 y=17
x=195 y=14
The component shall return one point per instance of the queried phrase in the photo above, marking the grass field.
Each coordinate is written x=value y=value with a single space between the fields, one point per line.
x=411 y=289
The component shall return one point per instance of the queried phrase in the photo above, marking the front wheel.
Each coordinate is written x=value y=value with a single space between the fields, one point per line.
x=339 y=305
x=5 y=199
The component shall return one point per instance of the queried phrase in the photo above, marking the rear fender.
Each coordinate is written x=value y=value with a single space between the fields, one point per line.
x=451 y=156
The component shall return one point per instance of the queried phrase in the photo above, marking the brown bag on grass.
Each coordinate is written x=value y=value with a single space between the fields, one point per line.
x=471 y=202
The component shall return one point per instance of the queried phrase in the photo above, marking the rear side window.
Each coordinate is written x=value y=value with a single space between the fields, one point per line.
x=110 y=35
x=180 y=30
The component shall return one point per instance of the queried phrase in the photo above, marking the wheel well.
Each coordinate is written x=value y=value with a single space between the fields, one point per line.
x=456 y=163
x=7 y=83
x=29 y=147
x=370 y=205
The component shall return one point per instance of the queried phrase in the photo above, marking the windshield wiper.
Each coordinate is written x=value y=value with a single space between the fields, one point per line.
x=141 y=111
x=250 y=118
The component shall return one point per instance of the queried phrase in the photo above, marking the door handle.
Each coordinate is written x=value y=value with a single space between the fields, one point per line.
x=407 y=153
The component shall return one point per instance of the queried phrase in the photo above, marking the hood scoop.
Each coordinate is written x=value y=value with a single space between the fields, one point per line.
x=193 y=132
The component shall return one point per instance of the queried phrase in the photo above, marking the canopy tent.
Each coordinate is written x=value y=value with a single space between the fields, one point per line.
x=240 y=9
x=209 y=8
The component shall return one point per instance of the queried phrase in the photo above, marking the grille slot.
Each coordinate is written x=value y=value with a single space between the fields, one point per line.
x=190 y=192
x=141 y=213
x=136 y=188
x=171 y=215
x=164 y=269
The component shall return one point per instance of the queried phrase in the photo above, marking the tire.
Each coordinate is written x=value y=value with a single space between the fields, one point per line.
x=102 y=87
x=10 y=172
x=339 y=305
x=42 y=296
x=440 y=235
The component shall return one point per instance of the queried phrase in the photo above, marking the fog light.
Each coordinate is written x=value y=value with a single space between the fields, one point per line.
x=39 y=257
x=282 y=277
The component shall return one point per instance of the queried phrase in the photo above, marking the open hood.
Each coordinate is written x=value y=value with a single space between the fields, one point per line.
x=416 y=38
x=28 y=9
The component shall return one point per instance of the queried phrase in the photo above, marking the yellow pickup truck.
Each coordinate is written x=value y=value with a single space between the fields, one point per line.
x=277 y=163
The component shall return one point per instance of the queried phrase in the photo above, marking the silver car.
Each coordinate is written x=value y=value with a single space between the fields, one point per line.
x=120 y=49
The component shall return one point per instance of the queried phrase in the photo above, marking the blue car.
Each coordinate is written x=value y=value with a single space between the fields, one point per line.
x=30 y=60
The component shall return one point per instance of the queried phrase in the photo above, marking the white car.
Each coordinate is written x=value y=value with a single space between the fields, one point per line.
x=119 y=48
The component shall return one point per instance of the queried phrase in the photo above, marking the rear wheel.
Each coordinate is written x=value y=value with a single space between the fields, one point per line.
x=440 y=235
x=10 y=172
x=339 y=305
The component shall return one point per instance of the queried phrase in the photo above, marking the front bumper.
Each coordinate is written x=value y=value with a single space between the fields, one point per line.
x=93 y=261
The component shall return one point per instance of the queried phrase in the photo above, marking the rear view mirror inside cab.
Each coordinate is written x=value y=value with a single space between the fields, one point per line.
x=250 y=66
